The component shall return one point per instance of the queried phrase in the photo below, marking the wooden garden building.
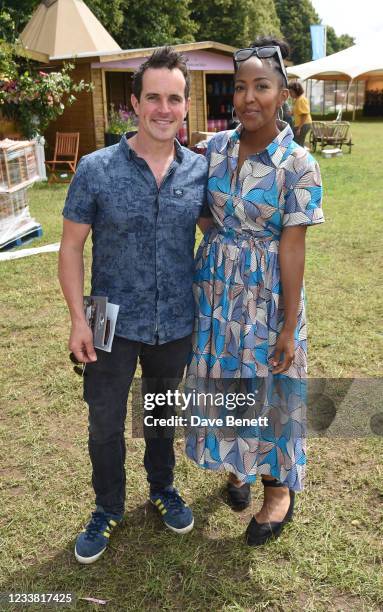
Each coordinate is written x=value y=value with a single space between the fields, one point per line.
x=67 y=31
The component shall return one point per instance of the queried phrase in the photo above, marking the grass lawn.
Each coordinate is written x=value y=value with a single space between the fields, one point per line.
x=330 y=558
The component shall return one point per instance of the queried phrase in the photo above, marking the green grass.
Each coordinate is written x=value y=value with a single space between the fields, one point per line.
x=330 y=558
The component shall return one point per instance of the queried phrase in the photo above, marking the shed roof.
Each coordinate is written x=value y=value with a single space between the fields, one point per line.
x=65 y=28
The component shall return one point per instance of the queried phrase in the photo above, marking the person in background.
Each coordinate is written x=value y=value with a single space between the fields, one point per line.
x=301 y=112
x=287 y=115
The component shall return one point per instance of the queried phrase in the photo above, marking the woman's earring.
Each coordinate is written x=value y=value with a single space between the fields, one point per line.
x=234 y=117
x=280 y=113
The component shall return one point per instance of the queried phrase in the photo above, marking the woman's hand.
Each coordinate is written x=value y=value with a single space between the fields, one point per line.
x=284 y=352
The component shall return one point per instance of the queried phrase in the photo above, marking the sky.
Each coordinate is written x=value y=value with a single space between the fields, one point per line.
x=362 y=20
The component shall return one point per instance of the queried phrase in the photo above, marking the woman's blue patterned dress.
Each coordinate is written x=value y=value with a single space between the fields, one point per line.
x=239 y=308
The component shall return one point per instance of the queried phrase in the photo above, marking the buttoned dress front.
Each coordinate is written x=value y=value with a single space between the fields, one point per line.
x=239 y=304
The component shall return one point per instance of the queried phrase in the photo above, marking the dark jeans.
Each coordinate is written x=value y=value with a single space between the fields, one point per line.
x=106 y=387
x=301 y=137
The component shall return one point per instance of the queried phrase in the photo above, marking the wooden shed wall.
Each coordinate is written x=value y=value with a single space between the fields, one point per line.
x=198 y=111
x=99 y=107
x=88 y=114
x=84 y=114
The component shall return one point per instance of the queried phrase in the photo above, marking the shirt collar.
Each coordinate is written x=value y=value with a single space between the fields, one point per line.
x=275 y=150
x=129 y=153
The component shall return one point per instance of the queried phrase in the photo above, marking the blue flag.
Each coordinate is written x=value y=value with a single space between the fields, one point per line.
x=318 y=41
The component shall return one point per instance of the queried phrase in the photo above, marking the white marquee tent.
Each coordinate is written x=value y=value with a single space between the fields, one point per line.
x=361 y=62
x=358 y=62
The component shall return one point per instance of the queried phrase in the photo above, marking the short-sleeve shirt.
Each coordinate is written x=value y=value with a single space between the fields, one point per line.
x=301 y=107
x=143 y=237
x=280 y=186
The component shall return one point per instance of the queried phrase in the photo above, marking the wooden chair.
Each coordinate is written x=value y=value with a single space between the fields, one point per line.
x=66 y=146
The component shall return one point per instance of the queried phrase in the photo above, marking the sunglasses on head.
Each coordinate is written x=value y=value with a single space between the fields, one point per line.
x=262 y=53
x=79 y=367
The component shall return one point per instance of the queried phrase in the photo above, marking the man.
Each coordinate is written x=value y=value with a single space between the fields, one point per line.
x=141 y=199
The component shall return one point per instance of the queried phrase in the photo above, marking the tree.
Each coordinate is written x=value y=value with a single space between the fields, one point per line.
x=109 y=13
x=15 y=14
x=262 y=20
x=224 y=21
x=151 y=23
x=295 y=17
x=234 y=22
x=337 y=43
x=345 y=41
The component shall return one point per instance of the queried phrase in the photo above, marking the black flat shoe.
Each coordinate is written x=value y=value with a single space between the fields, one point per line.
x=259 y=533
x=238 y=498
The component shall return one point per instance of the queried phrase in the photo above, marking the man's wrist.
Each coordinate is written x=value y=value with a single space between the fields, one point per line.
x=78 y=318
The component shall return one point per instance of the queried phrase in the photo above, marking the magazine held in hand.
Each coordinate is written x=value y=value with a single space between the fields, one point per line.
x=101 y=317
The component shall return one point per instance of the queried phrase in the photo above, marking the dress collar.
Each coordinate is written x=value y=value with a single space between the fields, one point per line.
x=275 y=150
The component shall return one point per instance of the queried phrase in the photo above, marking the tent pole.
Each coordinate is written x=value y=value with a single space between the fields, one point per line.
x=355 y=101
x=347 y=94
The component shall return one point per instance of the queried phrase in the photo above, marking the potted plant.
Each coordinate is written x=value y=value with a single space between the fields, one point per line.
x=120 y=122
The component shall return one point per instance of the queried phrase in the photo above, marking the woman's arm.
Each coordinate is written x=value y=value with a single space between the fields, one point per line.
x=292 y=262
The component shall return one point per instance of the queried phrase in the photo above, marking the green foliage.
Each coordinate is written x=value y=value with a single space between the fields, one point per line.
x=345 y=41
x=262 y=20
x=234 y=22
x=8 y=65
x=150 y=23
x=7 y=26
x=15 y=16
x=34 y=100
x=337 y=43
x=109 y=13
x=296 y=16
x=223 y=21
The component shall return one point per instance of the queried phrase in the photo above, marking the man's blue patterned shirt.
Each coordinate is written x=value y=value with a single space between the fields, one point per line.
x=143 y=237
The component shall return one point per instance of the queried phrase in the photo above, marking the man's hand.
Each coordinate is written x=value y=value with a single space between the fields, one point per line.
x=81 y=342
x=285 y=344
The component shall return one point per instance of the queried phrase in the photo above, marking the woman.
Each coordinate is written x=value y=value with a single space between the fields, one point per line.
x=301 y=111
x=250 y=332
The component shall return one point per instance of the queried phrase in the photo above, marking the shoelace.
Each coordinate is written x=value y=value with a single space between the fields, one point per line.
x=172 y=501
x=96 y=525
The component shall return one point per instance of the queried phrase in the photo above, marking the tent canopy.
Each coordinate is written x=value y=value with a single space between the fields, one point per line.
x=355 y=63
x=65 y=28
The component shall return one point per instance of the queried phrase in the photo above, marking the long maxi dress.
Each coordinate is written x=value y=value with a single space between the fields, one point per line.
x=239 y=309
